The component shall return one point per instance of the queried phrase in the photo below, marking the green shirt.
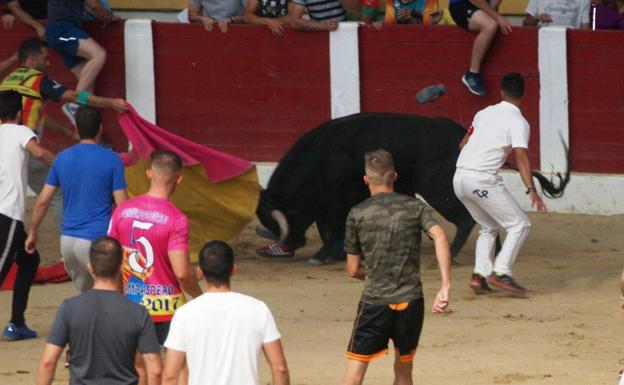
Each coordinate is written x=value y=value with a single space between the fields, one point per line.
x=385 y=230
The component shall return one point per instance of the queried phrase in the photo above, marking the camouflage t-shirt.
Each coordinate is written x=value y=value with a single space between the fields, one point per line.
x=385 y=230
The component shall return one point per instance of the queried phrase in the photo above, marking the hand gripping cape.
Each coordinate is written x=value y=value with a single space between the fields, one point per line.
x=219 y=192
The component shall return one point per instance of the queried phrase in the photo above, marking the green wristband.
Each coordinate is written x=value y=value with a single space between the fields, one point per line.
x=83 y=98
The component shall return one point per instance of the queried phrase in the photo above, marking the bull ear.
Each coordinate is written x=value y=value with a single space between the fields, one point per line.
x=282 y=222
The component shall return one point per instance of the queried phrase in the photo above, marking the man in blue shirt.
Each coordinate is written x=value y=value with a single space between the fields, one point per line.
x=92 y=179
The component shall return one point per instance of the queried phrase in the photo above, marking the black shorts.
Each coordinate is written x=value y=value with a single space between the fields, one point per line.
x=376 y=324
x=162 y=330
x=462 y=12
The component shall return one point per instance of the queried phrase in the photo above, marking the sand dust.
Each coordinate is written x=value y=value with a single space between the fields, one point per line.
x=568 y=330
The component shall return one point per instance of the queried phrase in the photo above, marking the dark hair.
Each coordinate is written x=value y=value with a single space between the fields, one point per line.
x=88 y=122
x=29 y=47
x=512 y=85
x=105 y=257
x=10 y=105
x=166 y=161
x=216 y=260
x=379 y=167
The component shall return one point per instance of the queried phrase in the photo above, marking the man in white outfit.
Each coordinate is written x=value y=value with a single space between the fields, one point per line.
x=220 y=334
x=496 y=131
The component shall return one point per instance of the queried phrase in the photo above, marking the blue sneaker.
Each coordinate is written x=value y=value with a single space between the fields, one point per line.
x=13 y=332
x=70 y=110
x=474 y=82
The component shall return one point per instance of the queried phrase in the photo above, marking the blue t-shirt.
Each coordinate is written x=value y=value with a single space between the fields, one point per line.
x=88 y=174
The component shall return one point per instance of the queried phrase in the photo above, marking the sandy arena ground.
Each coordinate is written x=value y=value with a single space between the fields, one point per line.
x=568 y=331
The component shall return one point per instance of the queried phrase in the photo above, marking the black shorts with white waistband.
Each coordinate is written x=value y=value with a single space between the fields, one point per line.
x=462 y=12
x=375 y=325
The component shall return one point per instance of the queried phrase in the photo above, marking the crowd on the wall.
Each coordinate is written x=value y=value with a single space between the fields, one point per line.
x=481 y=17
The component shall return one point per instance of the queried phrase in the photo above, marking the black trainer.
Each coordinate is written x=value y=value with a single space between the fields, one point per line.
x=506 y=282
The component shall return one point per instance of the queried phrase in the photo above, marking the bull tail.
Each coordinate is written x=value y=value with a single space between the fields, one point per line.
x=550 y=188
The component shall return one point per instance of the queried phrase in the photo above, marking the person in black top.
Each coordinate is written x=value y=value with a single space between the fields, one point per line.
x=103 y=329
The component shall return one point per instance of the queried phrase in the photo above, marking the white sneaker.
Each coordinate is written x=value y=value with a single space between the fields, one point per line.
x=70 y=110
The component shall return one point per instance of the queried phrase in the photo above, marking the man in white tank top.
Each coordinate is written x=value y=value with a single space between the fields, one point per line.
x=496 y=131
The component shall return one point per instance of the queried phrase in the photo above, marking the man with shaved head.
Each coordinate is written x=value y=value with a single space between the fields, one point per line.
x=154 y=235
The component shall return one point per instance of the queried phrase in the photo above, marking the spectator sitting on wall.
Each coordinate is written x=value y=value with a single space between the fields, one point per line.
x=219 y=12
x=480 y=17
x=412 y=12
x=82 y=55
x=324 y=15
x=271 y=13
x=609 y=14
x=369 y=11
x=569 y=13
x=26 y=12
x=277 y=13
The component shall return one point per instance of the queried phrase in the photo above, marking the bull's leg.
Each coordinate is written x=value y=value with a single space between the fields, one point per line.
x=451 y=208
x=461 y=235
x=330 y=224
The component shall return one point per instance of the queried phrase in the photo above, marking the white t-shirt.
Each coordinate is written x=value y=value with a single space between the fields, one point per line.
x=494 y=132
x=566 y=13
x=14 y=169
x=222 y=335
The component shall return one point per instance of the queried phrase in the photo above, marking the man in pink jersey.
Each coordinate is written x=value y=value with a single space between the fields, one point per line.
x=154 y=235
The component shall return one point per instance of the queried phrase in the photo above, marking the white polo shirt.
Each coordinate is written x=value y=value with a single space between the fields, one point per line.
x=14 y=169
x=495 y=130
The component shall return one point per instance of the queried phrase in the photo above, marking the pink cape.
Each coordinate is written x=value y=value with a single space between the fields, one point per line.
x=147 y=137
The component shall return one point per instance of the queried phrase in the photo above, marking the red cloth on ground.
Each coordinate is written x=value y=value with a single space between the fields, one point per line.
x=45 y=274
x=147 y=137
x=9 y=281
x=52 y=274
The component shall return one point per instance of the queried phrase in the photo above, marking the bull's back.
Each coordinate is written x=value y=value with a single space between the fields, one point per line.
x=333 y=152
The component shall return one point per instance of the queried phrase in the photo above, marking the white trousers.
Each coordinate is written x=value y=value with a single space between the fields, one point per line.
x=493 y=208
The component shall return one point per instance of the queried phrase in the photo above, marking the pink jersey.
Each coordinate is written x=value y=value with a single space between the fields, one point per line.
x=148 y=228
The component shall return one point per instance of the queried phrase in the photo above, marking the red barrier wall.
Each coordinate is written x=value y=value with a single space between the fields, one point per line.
x=252 y=95
x=110 y=83
x=398 y=61
x=244 y=92
x=596 y=88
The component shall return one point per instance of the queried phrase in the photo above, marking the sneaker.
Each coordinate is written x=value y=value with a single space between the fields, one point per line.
x=479 y=284
x=70 y=110
x=505 y=282
x=474 y=82
x=13 y=332
x=275 y=250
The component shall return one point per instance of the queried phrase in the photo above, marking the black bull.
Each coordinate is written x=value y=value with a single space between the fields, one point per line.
x=320 y=178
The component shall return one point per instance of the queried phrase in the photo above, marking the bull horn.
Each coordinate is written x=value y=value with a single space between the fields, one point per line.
x=281 y=220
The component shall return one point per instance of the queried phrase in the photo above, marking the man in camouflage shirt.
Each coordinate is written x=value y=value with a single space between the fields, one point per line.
x=382 y=242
